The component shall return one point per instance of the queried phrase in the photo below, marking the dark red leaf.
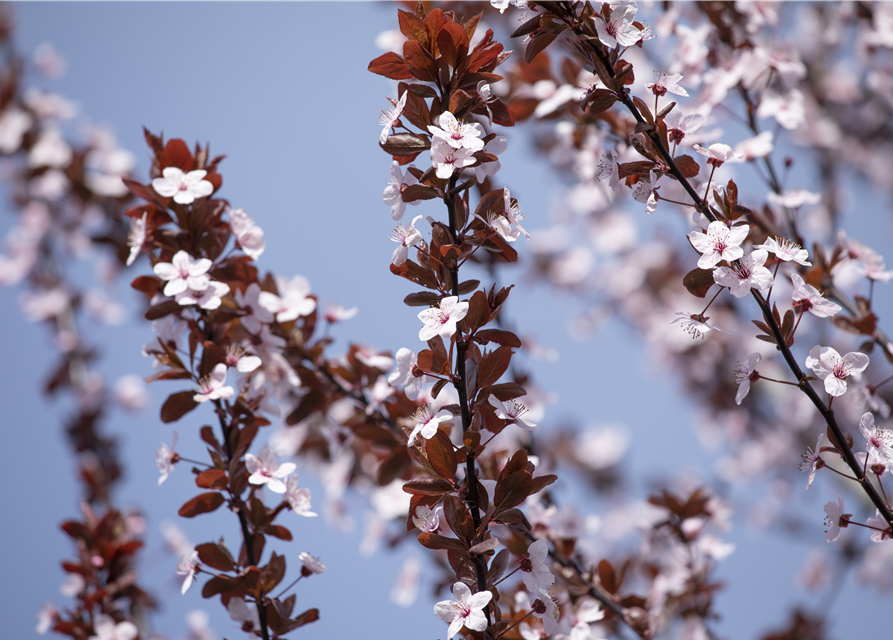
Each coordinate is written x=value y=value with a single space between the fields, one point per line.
x=202 y=503
x=177 y=405
x=390 y=65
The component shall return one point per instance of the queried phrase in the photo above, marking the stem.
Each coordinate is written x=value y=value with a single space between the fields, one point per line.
x=460 y=384
x=247 y=536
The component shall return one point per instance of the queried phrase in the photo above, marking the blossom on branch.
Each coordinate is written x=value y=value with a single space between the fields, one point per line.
x=311 y=564
x=447 y=159
x=407 y=237
x=786 y=250
x=535 y=569
x=718 y=153
x=465 y=610
x=107 y=629
x=426 y=423
x=807 y=298
x=389 y=117
x=835 y=519
x=249 y=236
x=834 y=369
x=188 y=566
x=511 y=411
x=619 y=28
x=185 y=188
x=293 y=300
x=747 y=274
x=719 y=243
x=812 y=460
x=166 y=458
x=664 y=82
x=209 y=298
x=745 y=374
x=456 y=134
x=393 y=193
x=441 y=320
x=265 y=470
x=298 y=499
x=404 y=374
x=136 y=237
x=184 y=272
x=695 y=324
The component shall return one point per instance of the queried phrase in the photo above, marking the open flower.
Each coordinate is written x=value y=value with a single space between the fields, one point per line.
x=426 y=423
x=188 y=566
x=608 y=168
x=835 y=519
x=393 y=193
x=310 y=564
x=511 y=411
x=534 y=569
x=293 y=300
x=679 y=125
x=718 y=153
x=834 y=369
x=465 y=610
x=407 y=237
x=745 y=374
x=877 y=440
x=719 y=243
x=183 y=272
x=441 y=320
x=427 y=519
x=389 y=117
x=249 y=236
x=136 y=237
x=247 y=616
x=664 y=82
x=883 y=531
x=786 y=250
x=166 y=458
x=404 y=374
x=695 y=324
x=213 y=387
x=812 y=460
x=265 y=470
x=456 y=134
x=749 y=273
x=807 y=298
x=619 y=28
x=183 y=187
x=209 y=298
x=646 y=192
x=298 y=499
x=448 y=159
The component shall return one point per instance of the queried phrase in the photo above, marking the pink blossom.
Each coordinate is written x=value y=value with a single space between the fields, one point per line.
x=753 y=148
x=188 y=566
x=719 y=243
x=426 y=423
x=249 y=236
x=828 y=365
x=136 y=237
x=241 y=612
x=512 y=410
x=311 y=564
x=646 y=192
x=535 y=570
x=265 y=470
x=14 y=124
x=441 y=320
x=747 y=274
x=447 y=159
x=336 y=313
x=786 y=250
x=465 y=610
x=835 y=519
x=107 y=629
x=427 y=519
x=369 y=357
x=717 y=153
x=404 y=374
x=794 y=198
x=213 y=387
x=209 y=298
x=456 y=134
x=695 y=324
x=807 y=298
x=608 y=168
x=679 y=125
x=812 y=460
x=185 y=188
x=619 y=29
x=183 y=272
x=664 y=82
x=295 y=299
x=878 y=440
x=745 y=374
x=407 y=237
x=393 y=193
x=166 y=458
x=883 y=529
x=389 y=117
x=298 y=499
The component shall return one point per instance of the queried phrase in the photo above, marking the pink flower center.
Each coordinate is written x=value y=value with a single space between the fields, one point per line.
x=840 y=370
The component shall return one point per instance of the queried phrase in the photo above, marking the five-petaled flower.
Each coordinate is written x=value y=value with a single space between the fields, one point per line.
x=249 y=236
x=183 y=187
x=646 y=191
x=405 y=373
x=678 y=125
x=183 y=272
x=447 y=159
x=719 y=243
x=456 y=134
x=427 y=423
x=749 y=273
x=834 y=369
x=695 y=324
x=389 y=117
x=534 y=569
x=664 y=82
x=835 y=519
x=878 y=440
x=298 y=499
x=213 y=386
x=465 y=610
x=745 y=374
x=188 y=566
x=265 y=470
x=619 y=28
x=441 y=320
x=807 y=298
x=407 y=237
x=786 y=250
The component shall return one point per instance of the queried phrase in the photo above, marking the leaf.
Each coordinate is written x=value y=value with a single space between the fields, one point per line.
x=497 y=566
x=420 y=63
x=528 y=27
x=405 y=144
x=419 y=192
x=216 y=556
x=483 y=547
x=494 y=365
x=211 y=479
x=504 y=391
x=499 y=336
x=390 y=65
x=453 y=44
x=478 y=312
x=513 y=490
x=422 y=299
x=698 y=281
x=177 y=405
x=176 y=154
x=218 y=585
x=541 y=482
x=162 y=309
x=644 y=110
x=412 y=27
x=441 y=455
x=146 y=284
x=437 y=388
x=277 y=531
x=468 y=286
x=607 y=577
x=538 y=44
x=428 y=487
x=687 y=166
x=415 y=273
x=202 y=503
x=435 y=541
x=599 y=101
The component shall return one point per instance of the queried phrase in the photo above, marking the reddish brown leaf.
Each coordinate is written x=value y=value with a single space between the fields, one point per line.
x=412 y=27
x=176 y=154
x=698 y=281
x=177 y=405
x=453 y=44
x=217 y=585
x=202 y=503
x=687 y=166
x=499 y=336
x=147 y=284
x=512 y=490
x=162 y=309
x=607 y=577
x=390 y=65
x=504 y=391
x=538 y=44
x=428 y=487
x=441 y=455
x=421 y=64
x=435 y=541
x=216 y=556
x=405 y=144
x=211 y=479
x=494 y=365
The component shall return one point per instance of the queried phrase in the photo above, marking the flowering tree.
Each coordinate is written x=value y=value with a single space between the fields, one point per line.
x=452 y=425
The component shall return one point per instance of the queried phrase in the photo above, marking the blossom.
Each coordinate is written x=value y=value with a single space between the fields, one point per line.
x=489 y=168
x=719 y=243
x=646 y=191
x=311 y=564
x=293 y=300
x=664 y=83
x=209 y=298
x=695 y=324
x=608 y=168
x=393 y=193
x=14 y=124
x=812 y=460
x=46 y=617
x=404 y=373
x=534 y=569
x=828 y=365
x=883 y=529
x=546 y=608
x=718 y=153
x=788 y=109
x=619 y=28
x=446 y=158
x=485 y=95
x=237 y=358
x=407 y=237
x=441 y=320
x=368 y=356
x=166 y=458
x=241 y=612
x=427 y=519
x=183 y=272
x=183 y=187
x=188 y=566
x=265 y=470
x=426 y=423
x=465 y=610
x=298 y=499
x=877 y=439
x=389 y=117
x=336 y=312
x=512 y=212
x=679 y=125
x=136 y=237
x=106 y=629
x=511 y=411
x=456 y=134
x=500 y=225
x=50 y=150
x=502 y=5
x=786 y=250
x=213 y=387
x=807 y=298
x=745 y=374
x=752 y=148
x=794 y=199
x=749 y=273
x=249 y=236
x=835 y=519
